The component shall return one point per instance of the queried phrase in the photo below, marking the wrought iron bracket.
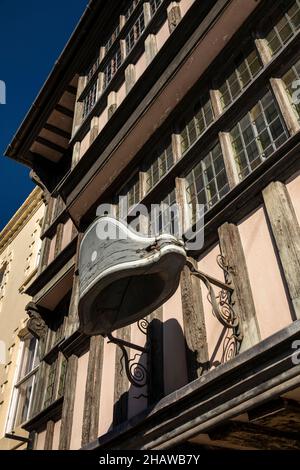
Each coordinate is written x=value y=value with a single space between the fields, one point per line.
x=222 y=306
x=136 y=372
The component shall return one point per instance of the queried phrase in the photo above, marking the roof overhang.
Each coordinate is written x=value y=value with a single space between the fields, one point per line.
x=46 y=130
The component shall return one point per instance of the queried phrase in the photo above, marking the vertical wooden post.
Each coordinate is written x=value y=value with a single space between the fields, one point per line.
x=76 y=154
x=233 y=253
x=194 y=325
x=150 y=48
x=147 y=12
x=93 y=390
x=174 y=15
x=285 y=106
x=68 y=406
x=216 y=103
x=111 y=104
x=129 y=77
x=263 y=50
x=121 y=382
x=229 y=161
x=286 y=232
x=94 y=129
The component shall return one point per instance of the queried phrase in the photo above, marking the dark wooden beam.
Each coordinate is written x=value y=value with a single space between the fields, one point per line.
x=247 y=435
x=234 y=257
x=286 y=231
x=121 y=382
x=280 y=414
x=71 y=89
x=50 y=145
x=63 y=110
x=194 y=325
x=93 y=391
x=57 y=130
x=68 y=405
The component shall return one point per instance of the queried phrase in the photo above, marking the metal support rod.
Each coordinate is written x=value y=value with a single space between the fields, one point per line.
x=127 y=344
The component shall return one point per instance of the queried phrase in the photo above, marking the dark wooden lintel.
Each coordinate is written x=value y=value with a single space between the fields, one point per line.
x=248 y=435
x=50 y=145
x=57 y=130
x=63 y=110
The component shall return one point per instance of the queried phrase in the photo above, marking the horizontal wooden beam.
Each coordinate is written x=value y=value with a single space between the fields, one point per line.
x=50 y=145
x=248 y=435
x=63 y=110
x=57 y=130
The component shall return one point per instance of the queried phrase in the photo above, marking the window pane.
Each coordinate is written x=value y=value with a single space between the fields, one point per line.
x=240 y=77
x=285 y=28
x=257 y=135
x=207 y=182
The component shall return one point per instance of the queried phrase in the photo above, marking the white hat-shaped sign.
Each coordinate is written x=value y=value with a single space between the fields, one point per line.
x=124 y=276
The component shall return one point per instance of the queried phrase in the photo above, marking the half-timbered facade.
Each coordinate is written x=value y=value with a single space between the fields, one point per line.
x=193 y=102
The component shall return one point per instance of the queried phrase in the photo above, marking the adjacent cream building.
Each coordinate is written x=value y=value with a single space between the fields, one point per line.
x=19 y=257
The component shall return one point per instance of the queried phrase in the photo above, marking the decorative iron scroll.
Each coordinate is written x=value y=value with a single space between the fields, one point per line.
x=136 y=372
x=222 y=307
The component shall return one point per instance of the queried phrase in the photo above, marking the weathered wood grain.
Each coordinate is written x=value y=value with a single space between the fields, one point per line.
x=286 y=232
x=93 y=391
x=194 y=325
x=233 y=253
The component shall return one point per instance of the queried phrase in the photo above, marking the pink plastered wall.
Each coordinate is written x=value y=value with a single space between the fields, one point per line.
x=55 y=445
x=85 y=143
x=67 y=234
x=162 y=35
x=271 y=304
x=102 y=120
x=79 y=402
x=185 y=5
x=121 y=93
x=140 y=66
x=107 y=388
x=40 y=440
x=52 y=250
x=175 y=371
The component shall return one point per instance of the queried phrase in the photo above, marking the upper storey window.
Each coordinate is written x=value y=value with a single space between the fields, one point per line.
x=194 y=127
x=257 y=135
x=290 y=80
x=160 y=165
x=129 y=197
x=154 y=5
x=207 y=183
x=131 y=9
x=112 y=67
x=135 y=32
x=112 y=39
x=92 y=69
x=285 y=28
x=90 y=100
x=246 y=69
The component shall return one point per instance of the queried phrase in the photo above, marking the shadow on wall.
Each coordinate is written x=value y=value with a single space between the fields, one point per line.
x=170 y=365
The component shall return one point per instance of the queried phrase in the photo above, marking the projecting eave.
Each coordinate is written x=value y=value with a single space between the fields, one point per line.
x=46 y=130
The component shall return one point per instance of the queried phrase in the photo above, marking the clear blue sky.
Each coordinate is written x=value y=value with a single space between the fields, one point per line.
x=32 y=35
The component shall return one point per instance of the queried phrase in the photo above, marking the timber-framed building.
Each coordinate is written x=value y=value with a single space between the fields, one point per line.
x=161 y=101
